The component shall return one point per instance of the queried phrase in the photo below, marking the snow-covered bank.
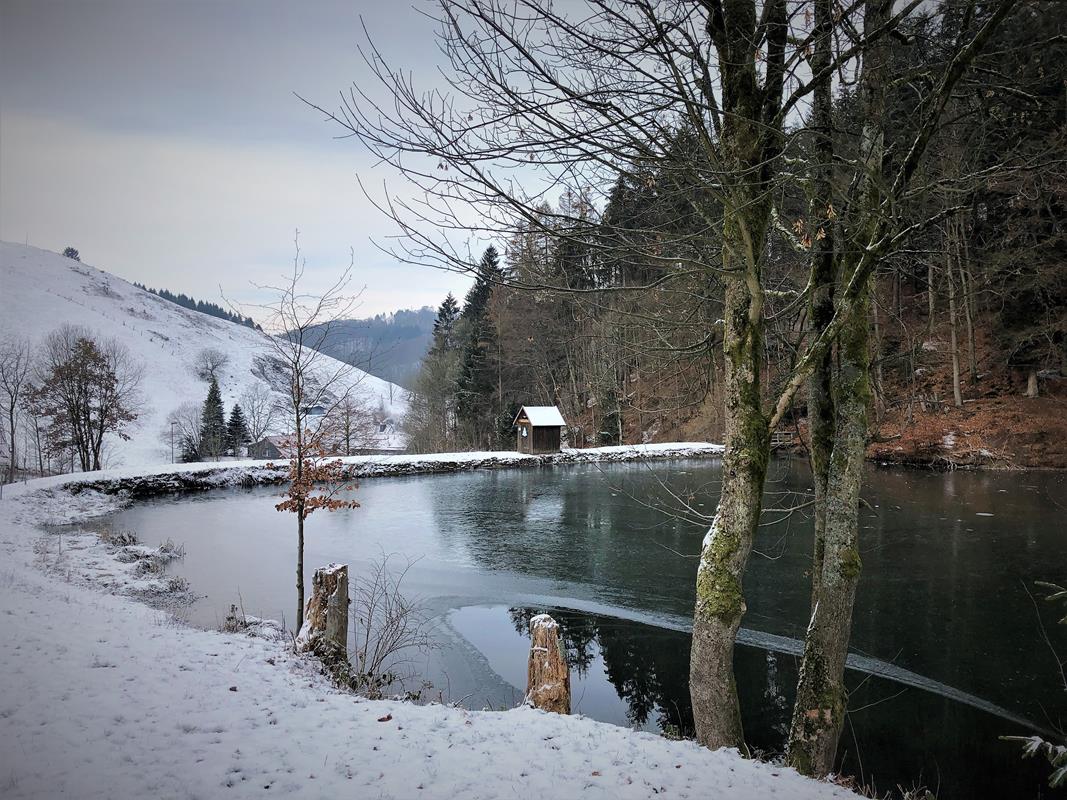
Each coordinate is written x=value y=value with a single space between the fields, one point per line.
x=106 y=697
x=147 y=481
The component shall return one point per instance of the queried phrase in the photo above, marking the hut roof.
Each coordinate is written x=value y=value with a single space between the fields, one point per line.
x=541 y=416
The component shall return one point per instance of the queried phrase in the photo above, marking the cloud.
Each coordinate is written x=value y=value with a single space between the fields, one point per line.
x=191 y=213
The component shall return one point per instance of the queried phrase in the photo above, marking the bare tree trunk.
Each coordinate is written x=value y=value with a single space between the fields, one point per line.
x=820 y=396
x=957 y=397
x=299 y=565
x=930 y=295
x=1031 y=383
x=819 y=713
x=724 y=556
x=967 y=295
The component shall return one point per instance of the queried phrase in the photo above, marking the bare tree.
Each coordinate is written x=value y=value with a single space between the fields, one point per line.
x=298 y=323
x=260 y=409
x=14 y=380
x=389 y=628
x=209 y=363
x=89 y=389
x=352 y=425
x=184 y=430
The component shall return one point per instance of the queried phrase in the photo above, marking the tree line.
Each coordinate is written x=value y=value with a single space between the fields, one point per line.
x=215 y=310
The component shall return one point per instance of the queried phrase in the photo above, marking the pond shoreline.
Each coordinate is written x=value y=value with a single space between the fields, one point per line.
x=140 y=483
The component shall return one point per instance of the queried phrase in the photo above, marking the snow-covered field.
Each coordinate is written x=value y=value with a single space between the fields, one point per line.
x=103 y=696
x=43 y=290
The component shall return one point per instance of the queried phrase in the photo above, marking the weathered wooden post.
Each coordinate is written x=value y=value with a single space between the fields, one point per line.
x=548 y=684
x=325 y=629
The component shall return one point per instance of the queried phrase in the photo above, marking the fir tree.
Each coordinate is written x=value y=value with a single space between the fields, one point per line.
x=236 y=431
x=213 y=423
x=444 y=327
x=477 y=377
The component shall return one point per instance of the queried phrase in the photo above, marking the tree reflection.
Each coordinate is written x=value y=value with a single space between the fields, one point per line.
x=647 y=666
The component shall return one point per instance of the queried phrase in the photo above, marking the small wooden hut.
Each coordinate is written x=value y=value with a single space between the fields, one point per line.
x=538 y=429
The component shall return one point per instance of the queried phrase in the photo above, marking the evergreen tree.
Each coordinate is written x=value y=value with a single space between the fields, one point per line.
x=213 y=424
x=477 y=373
x=431 y=417
x=236 y=431
x=444 y=327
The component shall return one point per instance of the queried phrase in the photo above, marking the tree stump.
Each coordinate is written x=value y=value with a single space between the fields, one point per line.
x=325 y=629
x=548 y=677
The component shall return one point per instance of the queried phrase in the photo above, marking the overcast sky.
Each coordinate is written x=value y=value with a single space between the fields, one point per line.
x=163 y=140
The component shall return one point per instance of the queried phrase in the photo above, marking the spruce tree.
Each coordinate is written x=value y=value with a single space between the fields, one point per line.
x=236 y=431
x=476 y=385
x=444 y=327
x=213 y=423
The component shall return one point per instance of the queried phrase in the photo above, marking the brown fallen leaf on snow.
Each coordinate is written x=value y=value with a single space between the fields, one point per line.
x=386 y=718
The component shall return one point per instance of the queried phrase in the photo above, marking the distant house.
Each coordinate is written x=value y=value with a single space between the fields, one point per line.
x=538 y=429
x=271 y=447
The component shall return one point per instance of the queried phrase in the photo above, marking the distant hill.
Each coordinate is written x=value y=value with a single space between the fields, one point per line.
x=388 y=346
x=42 y=290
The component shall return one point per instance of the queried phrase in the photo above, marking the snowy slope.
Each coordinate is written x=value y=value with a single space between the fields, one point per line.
x=41 y=290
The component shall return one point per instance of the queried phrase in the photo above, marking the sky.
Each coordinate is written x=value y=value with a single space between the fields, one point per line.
x=163 y=140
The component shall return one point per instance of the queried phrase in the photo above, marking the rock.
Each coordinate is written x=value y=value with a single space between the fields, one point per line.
x=548 y=684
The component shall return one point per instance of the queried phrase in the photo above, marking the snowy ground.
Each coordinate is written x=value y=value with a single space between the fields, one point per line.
x=103 y=696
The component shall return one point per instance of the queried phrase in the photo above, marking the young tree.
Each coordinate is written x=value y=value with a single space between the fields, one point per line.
x=88 y=389
x=236 y=431
x=213 y=423
x=14 y=382
x=299 y=324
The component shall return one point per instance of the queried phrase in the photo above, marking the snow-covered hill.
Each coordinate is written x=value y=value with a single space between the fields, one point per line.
x=40 y=290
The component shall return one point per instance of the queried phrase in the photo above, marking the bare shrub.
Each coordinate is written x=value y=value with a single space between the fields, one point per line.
x=118 y=538
x=389 y=628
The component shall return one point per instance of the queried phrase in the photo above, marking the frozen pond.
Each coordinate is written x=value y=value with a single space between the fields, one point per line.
x=943 y=614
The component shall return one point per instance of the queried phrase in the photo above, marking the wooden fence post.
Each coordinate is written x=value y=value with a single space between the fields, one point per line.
x=548 y=684
x=325 y=628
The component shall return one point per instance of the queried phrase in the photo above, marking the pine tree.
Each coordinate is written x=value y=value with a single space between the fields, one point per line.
x=476 y=385
x=236 y=431
x=213 y=423
x=444 y=327
x=431 y=418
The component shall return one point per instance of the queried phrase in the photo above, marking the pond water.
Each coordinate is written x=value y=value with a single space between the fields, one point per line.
x=948 y=646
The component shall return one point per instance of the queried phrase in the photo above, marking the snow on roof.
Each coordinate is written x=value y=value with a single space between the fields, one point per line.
x=541 y=416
